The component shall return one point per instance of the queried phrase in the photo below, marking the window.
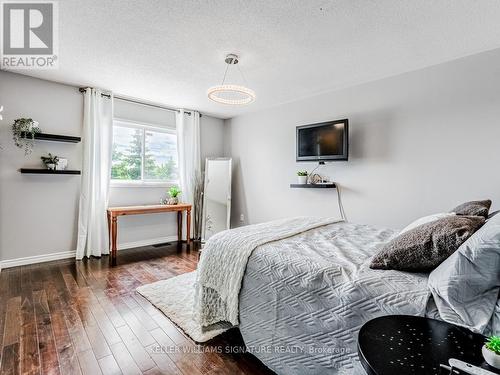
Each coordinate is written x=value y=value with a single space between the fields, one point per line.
x=143 y=153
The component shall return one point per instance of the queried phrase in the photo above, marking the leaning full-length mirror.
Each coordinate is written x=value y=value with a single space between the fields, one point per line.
x=216 y=197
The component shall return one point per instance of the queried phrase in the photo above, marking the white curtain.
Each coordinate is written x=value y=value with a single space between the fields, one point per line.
x=188 y=148
x=97 y=141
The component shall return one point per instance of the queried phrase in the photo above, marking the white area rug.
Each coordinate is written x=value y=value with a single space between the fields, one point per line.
x=175 y=298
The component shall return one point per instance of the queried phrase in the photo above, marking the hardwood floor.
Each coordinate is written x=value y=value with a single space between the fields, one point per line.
x=69 y=317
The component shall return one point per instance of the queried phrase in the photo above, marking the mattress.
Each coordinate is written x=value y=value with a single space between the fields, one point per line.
x=304 y=298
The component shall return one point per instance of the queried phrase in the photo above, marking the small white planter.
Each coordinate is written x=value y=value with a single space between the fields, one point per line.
x=51 y=166
x=491 y=358
x=173 y=201
x=302 y=179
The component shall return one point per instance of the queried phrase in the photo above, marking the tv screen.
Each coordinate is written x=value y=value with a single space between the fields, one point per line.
x=323 y=141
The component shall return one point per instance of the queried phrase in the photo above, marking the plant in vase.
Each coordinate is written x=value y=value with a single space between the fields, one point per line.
x=50 y=161
x=174 y=193
x=197 y=206
x=23 y=133
x=491 y=351
x=302 y=177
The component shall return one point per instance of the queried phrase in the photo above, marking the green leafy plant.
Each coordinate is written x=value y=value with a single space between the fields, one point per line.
x=23 y=133
x=493 y=344
x=174 y=191
x=50 y=159
x=302 y=173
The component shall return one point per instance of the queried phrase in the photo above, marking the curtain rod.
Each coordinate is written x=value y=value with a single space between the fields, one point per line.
x=83 y=89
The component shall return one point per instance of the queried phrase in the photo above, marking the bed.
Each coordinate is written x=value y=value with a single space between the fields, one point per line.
x=304 y=298
x=300 y=289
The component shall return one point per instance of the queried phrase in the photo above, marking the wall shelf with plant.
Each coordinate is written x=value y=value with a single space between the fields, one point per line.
x=314 y=186
x=53 y=137
x=24 y=133
x=48 y=171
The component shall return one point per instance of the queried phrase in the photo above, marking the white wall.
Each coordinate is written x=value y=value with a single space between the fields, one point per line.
x=212 y=138
x=38 y=214
x=420 y=143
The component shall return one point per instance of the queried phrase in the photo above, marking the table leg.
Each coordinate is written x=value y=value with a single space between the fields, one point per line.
x=114 y=234
x=109 y=230
x=188 y=226
x=179 y=226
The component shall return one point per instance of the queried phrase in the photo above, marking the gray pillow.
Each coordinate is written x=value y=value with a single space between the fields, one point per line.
x=423 y=248
x=465 y=286
x=474 y=208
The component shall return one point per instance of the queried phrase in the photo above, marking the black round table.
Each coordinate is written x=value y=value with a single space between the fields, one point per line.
x=401 y=344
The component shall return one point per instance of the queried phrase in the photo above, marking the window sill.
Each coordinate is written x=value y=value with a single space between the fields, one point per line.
x=141 y=184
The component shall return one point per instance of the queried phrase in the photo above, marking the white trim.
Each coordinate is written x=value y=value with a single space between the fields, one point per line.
x=37 y=259
x=71 y=254
x=148 y=242
x=142 y=184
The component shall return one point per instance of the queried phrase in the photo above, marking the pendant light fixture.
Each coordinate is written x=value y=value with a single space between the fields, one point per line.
x=229 y=93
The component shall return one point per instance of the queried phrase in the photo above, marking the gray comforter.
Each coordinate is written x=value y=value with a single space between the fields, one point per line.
x=304 y=298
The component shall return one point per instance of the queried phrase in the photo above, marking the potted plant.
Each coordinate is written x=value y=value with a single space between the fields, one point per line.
x=50 y=161
x=302 y=177
x=174 y=195
x=491 y=351
x=23 y=133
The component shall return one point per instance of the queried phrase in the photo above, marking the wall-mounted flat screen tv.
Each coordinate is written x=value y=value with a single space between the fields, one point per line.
x=323 y=141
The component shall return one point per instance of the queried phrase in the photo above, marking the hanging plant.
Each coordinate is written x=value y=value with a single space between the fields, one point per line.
x=23 y=133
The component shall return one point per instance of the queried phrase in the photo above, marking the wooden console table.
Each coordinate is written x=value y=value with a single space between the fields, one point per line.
x=114 y=212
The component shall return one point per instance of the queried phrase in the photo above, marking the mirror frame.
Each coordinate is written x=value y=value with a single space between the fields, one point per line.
x=203 y=219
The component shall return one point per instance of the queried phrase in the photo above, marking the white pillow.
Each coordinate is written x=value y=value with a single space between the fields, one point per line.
x=427 y=219
x=465 y=286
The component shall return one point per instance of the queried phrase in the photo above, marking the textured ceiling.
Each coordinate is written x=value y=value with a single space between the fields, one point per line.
x=171 y=51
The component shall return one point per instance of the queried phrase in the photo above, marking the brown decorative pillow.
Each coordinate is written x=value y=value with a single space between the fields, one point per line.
x=474 y=208
x=423 y=248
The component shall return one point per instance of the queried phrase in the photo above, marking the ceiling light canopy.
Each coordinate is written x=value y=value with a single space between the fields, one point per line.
x=230 y=93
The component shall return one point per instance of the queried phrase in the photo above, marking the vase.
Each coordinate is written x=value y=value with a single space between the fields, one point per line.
x=62 y=164
x=173 y=200
x=491 y=358
x=302 y=179
x=51 y=166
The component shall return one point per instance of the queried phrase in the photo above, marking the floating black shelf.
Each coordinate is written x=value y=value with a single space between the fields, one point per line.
x=313 y=186
x=53 y=137
x=48 y=171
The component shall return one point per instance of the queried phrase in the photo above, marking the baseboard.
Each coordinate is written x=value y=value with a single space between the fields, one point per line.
x=148 y=242
x=71 y=254
x=37 y=259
